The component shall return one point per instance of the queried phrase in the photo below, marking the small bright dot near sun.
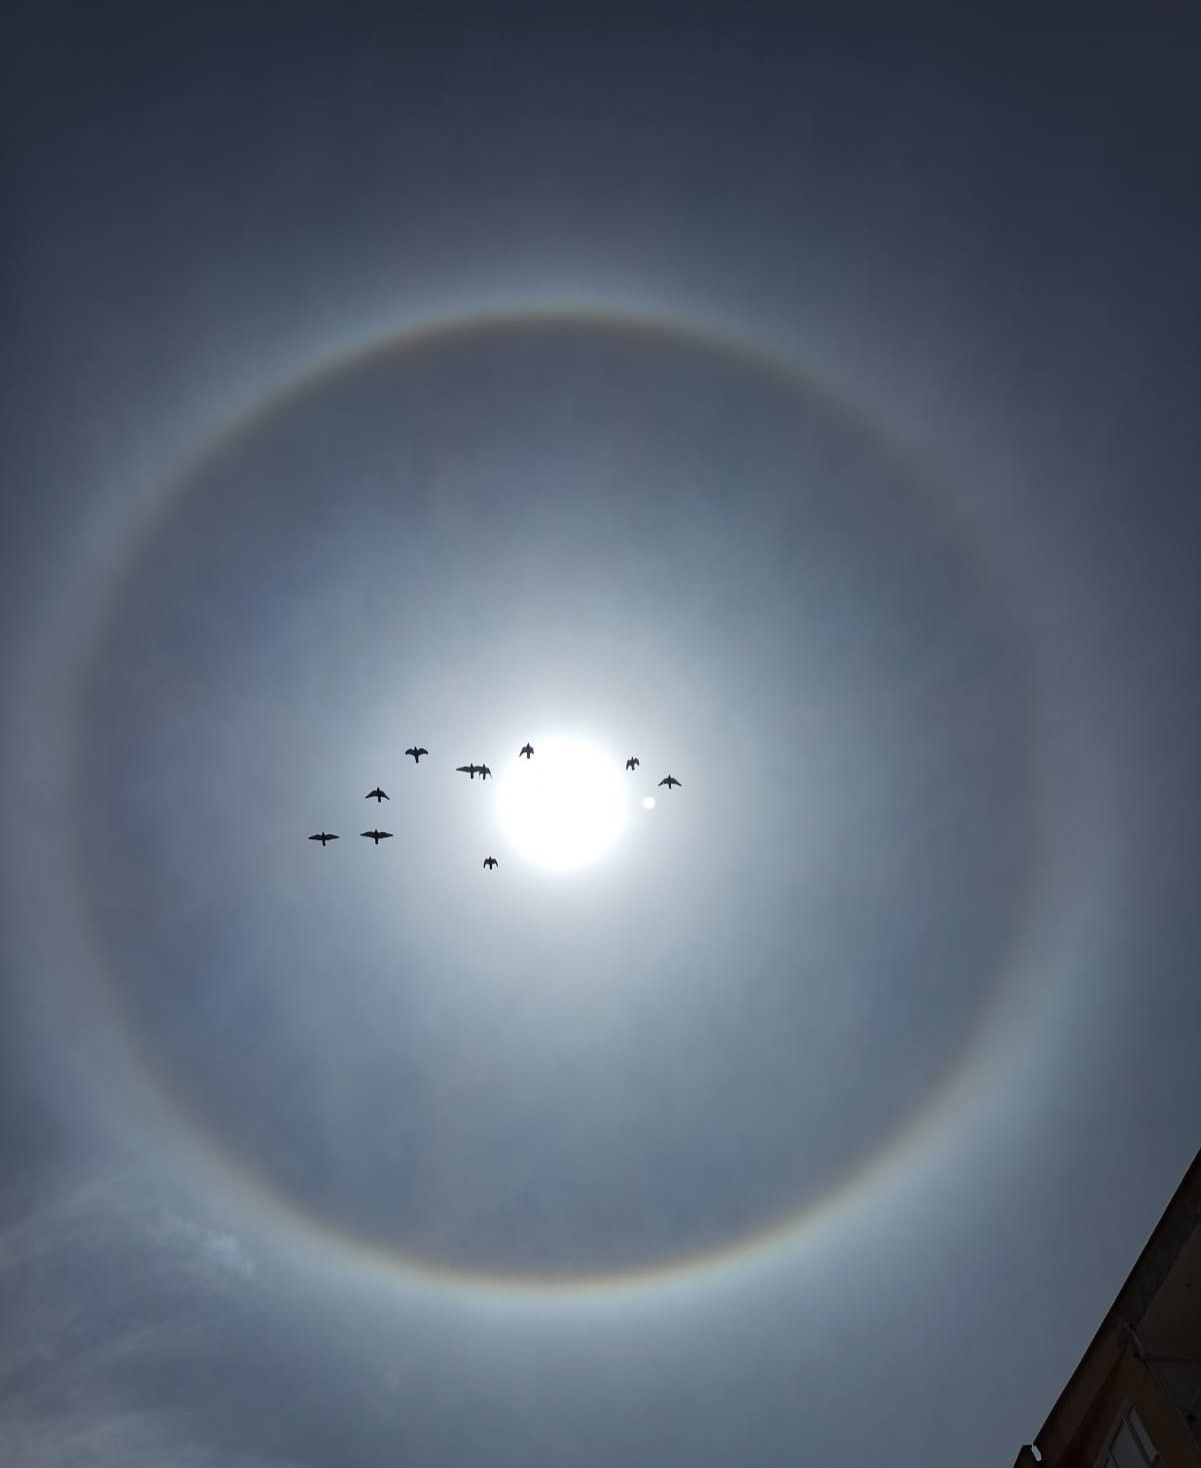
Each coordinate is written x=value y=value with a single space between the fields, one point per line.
x=648 y=802
x=565 y=807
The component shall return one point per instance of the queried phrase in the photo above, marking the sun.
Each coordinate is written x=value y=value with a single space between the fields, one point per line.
x=564 y=807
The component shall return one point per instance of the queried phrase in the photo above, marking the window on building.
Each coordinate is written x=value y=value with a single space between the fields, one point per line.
x=1131 y=1446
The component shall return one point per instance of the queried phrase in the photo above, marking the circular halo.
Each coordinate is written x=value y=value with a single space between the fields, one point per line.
x=208 y=1149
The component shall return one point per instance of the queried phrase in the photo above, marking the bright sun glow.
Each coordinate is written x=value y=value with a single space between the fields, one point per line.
x=565 y=806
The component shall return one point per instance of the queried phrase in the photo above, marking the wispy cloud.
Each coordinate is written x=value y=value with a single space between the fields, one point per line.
x=217 y=1255
x=101 y=1284
x=116 y=1439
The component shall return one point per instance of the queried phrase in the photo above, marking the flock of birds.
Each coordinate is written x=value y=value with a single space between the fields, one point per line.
x=471 y=771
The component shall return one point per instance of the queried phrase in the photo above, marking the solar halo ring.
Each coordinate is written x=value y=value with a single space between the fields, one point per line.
x=209 y=1152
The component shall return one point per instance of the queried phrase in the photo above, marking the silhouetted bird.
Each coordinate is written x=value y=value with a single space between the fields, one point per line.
x=376 y=836
x=669 y=781
x=632 y=762
x=471 y=770
x=417 y=753
x=377 y=795
x=483 y=771
x=323 y=837
x=527 y=750
x=490 y=862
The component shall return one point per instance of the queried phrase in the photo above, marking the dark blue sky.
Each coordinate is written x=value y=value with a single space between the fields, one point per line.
x=804 y=402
